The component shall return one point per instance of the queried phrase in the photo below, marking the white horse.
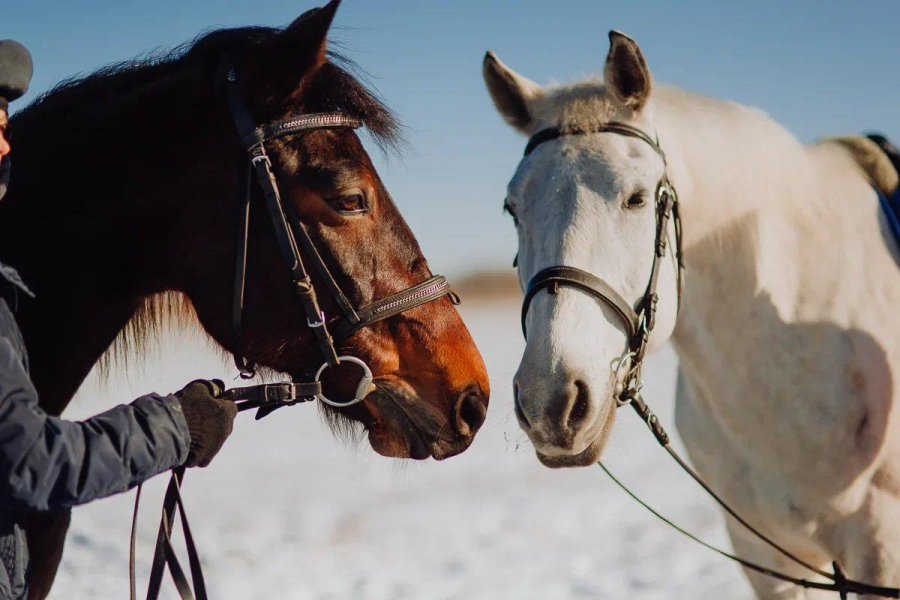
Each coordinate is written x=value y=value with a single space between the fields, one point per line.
x=789 y=329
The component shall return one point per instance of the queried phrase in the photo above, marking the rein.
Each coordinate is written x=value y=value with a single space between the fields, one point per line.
x=295 y=244
x=639 y=321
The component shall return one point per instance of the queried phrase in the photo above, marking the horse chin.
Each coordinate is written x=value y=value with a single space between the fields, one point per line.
x=585 y=458
x=388 y=443
x=397 y=431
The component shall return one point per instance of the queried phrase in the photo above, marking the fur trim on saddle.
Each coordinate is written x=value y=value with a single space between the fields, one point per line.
x=874 y=162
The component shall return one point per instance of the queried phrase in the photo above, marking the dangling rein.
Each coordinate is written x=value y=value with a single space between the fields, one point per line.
x=838 y=581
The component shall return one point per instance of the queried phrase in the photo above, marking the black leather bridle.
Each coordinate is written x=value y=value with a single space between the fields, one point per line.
x=639 y=318
x=295 y=245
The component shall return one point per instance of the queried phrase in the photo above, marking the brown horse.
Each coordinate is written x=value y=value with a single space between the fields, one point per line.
x=126 y=188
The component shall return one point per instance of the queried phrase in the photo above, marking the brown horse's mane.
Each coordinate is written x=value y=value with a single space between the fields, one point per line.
x=118 y=86
x=335 y=87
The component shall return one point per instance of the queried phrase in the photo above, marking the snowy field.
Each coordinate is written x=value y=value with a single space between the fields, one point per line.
x=288 y=511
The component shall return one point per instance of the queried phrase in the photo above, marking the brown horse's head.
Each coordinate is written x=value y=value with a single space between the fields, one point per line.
x=431 y=390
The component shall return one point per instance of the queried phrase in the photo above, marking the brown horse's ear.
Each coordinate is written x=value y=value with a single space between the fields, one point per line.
x=300 y=49
x=626 y=73
x=512 y=94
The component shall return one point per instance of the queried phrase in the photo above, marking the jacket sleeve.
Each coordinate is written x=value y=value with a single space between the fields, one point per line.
x=48 y=463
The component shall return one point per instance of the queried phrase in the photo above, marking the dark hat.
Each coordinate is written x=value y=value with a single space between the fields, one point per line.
x=15 y=71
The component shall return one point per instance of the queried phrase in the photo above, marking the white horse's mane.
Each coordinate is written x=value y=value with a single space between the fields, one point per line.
x=761 y=144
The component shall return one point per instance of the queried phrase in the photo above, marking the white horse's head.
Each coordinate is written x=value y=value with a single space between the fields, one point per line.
x=584 y=201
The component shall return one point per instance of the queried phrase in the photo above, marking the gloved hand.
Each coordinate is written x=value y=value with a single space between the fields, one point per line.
x=209 y=419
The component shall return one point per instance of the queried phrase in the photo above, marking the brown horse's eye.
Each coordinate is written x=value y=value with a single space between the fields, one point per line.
x=351 y=204
x=636 y=200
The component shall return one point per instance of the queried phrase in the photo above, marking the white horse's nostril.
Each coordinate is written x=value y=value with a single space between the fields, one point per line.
x=517 y=406
x=581 y=406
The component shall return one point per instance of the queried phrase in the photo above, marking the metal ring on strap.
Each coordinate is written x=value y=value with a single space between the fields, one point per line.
x=362 y=388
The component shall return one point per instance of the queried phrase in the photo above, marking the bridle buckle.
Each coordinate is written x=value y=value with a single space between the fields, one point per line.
x=319 y=322
x=261 y=158
x=282 y=393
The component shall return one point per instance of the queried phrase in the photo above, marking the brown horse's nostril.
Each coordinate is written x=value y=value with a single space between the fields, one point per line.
x=581 y=406
x=471 y=410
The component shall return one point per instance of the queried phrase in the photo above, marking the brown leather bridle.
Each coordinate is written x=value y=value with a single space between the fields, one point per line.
x=296 y=246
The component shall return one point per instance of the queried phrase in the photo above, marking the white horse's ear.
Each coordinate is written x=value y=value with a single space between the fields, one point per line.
x=626 y=72
x=512 y=94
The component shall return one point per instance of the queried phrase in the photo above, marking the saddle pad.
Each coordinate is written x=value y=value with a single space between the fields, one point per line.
x=891 y=207
x=890 y=204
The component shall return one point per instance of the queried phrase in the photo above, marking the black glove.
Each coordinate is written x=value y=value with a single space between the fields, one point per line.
x=209 y=419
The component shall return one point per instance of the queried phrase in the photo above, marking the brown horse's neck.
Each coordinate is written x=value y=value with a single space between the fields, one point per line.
x=89 y=226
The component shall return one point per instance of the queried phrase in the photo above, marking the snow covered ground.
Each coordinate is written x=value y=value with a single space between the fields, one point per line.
x=288 y=511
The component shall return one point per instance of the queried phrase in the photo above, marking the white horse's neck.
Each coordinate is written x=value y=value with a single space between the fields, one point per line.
x=753 y=213
x=726 y=160
x=787 y=273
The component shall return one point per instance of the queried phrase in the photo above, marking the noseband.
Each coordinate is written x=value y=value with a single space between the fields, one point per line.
x=295 y=245
x=640 y=318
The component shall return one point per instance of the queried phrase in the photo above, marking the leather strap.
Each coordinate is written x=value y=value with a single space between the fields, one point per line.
x=309 y=249
x=552 y=277
x=552 y=133
x=240 y=282
x=427 y=291
x=164 y=553
x=272 y=395
x=297 y=124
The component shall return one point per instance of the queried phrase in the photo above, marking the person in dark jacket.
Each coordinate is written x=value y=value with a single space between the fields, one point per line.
x=48 y=463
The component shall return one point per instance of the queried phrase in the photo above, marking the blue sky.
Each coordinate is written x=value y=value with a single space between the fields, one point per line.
x=820 y=68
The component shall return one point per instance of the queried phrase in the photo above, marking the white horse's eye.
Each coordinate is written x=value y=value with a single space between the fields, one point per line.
x=636 y=200
x=509 y=210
